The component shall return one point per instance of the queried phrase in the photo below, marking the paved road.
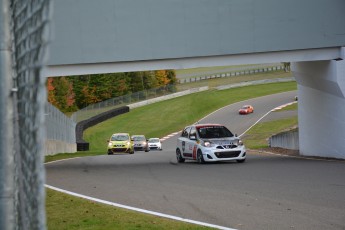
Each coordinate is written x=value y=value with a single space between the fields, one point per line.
x=266 y=192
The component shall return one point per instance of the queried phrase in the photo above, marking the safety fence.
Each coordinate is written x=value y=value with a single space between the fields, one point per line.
x=232 y=74
x=286 y=140
x=113 y=103
x=60 y=132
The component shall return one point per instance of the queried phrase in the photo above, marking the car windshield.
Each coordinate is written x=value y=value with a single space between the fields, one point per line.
x=119 y=138
x=153 y=140
x=245 y=107
x=138 y=138
x=214 y=132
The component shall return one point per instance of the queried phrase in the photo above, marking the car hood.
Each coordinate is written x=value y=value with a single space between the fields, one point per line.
x=118 y=142
x=223 y=141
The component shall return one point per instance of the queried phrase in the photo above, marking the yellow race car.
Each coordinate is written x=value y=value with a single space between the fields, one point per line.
x=120 y=143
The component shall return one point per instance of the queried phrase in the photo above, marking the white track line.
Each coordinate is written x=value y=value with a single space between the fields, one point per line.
x=275 y=109
x=139 y=209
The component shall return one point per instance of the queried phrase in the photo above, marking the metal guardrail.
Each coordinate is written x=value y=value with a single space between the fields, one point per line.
x=231 y=74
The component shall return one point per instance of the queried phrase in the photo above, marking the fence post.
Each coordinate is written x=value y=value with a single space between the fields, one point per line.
x=7 y=188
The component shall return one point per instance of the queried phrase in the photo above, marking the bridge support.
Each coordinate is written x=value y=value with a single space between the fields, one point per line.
x=321 y=107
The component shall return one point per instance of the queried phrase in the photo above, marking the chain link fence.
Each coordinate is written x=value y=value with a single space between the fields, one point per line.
x=26 y=33
x=113 y=103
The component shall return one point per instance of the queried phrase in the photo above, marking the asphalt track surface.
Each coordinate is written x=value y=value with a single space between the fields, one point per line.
x=266 y=192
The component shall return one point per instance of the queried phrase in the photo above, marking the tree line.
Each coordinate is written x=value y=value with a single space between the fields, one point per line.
x=72 y=93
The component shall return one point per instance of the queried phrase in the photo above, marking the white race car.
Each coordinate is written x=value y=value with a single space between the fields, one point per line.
x=209 y=143
x=155 y=143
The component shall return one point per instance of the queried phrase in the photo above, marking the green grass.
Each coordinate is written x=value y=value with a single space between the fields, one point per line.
x=67 y=212
x=257 y=136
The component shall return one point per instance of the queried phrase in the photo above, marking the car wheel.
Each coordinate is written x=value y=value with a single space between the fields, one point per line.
x=200 y=157
x=179 y=157
x=110 y=153
x=131 y=152
x=241 y=161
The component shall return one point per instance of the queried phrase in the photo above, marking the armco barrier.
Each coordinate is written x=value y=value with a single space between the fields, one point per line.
x=286 y=140
x=82 y=145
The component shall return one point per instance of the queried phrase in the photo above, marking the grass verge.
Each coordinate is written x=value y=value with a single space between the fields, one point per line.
x=67 y=212
x=257 y=136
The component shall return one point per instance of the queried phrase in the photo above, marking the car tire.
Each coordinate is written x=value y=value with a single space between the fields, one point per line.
x=131 y=152
x=241 y=161
x=179 y=157
x=200 y=157
x=110 y=153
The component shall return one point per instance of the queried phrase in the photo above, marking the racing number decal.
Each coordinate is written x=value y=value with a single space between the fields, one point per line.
x=183 y=146
x=194 y=152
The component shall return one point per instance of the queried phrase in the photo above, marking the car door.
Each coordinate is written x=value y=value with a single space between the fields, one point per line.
x=184 y=142
x=191 y=145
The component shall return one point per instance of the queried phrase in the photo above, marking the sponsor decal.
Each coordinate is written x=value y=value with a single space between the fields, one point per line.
x=194 y=152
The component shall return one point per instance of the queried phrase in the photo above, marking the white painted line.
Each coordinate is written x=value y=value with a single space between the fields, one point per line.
x=275 y=109
x=61 y=160
x=139 y=209
x=169 y=136
x=255 y=123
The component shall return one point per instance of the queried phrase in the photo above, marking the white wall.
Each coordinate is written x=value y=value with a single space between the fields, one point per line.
x=321 y=109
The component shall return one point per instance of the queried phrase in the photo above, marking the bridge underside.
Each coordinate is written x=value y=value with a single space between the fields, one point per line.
x=321 y=107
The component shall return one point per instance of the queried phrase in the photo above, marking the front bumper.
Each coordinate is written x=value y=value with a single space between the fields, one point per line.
x=140 y=147
x=122 y=149
x=155 y=147
x=213 y=154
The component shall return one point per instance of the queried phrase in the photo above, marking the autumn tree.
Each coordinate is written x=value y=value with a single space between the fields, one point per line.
x=61 y=94
x=162 y=77
x=51 y=91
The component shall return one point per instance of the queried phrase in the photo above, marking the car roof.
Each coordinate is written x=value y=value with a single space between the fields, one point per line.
x=207 y=125
x=120 y=134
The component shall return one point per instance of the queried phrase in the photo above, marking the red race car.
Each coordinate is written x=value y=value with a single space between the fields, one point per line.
x=246 y=109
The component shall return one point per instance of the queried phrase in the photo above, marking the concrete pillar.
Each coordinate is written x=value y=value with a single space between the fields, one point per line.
x=321 y=107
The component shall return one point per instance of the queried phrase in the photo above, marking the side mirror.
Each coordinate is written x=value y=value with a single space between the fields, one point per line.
x=235 y=134
x=192 y=137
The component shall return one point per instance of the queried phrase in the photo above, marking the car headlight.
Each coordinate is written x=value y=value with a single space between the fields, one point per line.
x=208 y=144
x=128 y=143
x=110 y=144
x=240 y=142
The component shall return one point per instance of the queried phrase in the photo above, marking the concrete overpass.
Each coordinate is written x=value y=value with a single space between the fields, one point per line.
x=131 y=35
